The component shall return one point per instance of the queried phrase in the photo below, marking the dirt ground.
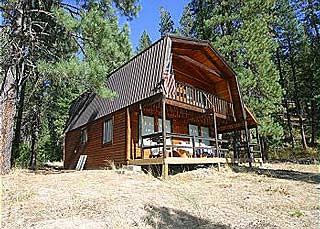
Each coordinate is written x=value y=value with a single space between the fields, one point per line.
x=273 y=196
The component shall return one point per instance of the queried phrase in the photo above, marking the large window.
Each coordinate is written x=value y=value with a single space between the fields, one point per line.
x=107 y=131
x=168 y=125
x=147 y=128
x=148 y=125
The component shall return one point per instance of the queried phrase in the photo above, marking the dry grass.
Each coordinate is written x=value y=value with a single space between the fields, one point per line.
x=276 y=196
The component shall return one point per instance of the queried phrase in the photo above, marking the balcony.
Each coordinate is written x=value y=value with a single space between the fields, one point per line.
x=187 y=96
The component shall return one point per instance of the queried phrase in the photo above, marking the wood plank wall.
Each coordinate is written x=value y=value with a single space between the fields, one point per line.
x=98 y=153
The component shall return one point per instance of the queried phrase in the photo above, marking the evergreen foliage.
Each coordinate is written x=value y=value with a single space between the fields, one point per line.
x=186 y=23
x=166 y=22
x=274 y=48
x=144 y=42
x=242 y=32
x=66 y=50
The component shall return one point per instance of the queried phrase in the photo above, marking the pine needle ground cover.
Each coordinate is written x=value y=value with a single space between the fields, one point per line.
x=274 y=196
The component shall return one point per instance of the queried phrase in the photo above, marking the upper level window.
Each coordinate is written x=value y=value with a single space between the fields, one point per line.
x=107 y=131
x=83 y=136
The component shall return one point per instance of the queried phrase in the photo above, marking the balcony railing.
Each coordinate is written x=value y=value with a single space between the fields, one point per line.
x=200 y=98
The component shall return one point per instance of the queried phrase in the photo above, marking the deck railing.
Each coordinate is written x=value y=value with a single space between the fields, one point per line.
x=200 y=98
x=178 y=144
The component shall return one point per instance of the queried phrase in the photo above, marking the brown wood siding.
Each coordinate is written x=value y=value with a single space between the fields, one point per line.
x=98 y=153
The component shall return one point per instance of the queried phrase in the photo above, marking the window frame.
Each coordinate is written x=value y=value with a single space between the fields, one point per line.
x=167 y=120
x=201 y=130
x=83 y=136
x=198 y=132
x=140 y=130
x=104 y=142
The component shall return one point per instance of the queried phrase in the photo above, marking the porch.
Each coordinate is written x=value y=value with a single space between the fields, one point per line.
x=189 y=122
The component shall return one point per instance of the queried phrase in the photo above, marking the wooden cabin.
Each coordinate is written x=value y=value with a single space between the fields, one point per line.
x=143 y=125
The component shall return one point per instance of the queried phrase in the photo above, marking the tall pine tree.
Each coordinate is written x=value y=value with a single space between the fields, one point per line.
x=186 y=23
x=242 y=32
x=144 y=42
x=166 y=23
x=49 y=45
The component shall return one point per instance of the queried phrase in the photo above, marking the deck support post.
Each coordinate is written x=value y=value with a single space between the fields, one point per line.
x=165 y=169
x=216 y=132
x=259 y=144
x=140 y=131
x=247 y=147
x=234 y=146
x=165 y=166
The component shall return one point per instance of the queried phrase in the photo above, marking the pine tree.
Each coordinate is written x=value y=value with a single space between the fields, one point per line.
x=259 y=78
x=186 y=23
x=166 y=23
x=110 y=49
x=241 y=31
x=307 y=13
x=298 y=60
x=201 y=11
x=81 y=43
x=144 y=42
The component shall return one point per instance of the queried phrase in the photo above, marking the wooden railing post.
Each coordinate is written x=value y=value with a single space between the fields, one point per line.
x=216 y=133
x=194 y=145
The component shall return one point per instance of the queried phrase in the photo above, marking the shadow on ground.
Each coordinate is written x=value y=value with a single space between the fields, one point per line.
x=163 y=217
x=313 y=178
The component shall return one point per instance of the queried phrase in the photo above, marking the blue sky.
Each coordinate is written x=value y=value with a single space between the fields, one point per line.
x=149 y=18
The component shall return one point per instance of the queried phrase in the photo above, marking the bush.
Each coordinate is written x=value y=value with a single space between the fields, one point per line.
x=297 y=154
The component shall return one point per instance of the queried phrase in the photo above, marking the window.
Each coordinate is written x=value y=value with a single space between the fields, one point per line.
x=194 y=131
x=148 y=125
x=205 y=133
x=168 y=125
x=107 y=131
x=147 y=128
x=83 y=136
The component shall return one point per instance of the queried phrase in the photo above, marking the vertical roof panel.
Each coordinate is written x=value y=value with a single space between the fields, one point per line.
x=134 y=81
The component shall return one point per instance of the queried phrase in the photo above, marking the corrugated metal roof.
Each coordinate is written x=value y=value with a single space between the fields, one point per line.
x=139 y=78
x=134 y=81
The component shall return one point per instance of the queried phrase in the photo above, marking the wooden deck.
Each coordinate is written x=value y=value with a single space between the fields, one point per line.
x=185 y=161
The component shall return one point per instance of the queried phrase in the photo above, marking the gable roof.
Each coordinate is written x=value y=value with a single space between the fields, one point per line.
x=143 y=71
x=139 y=79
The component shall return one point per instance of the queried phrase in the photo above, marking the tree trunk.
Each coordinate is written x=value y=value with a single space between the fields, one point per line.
x=285 y=99
x=33 y=155
x=297 y=97
x=264 y=151
x=34 y=136
x=17 y=130
x=7 y=114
